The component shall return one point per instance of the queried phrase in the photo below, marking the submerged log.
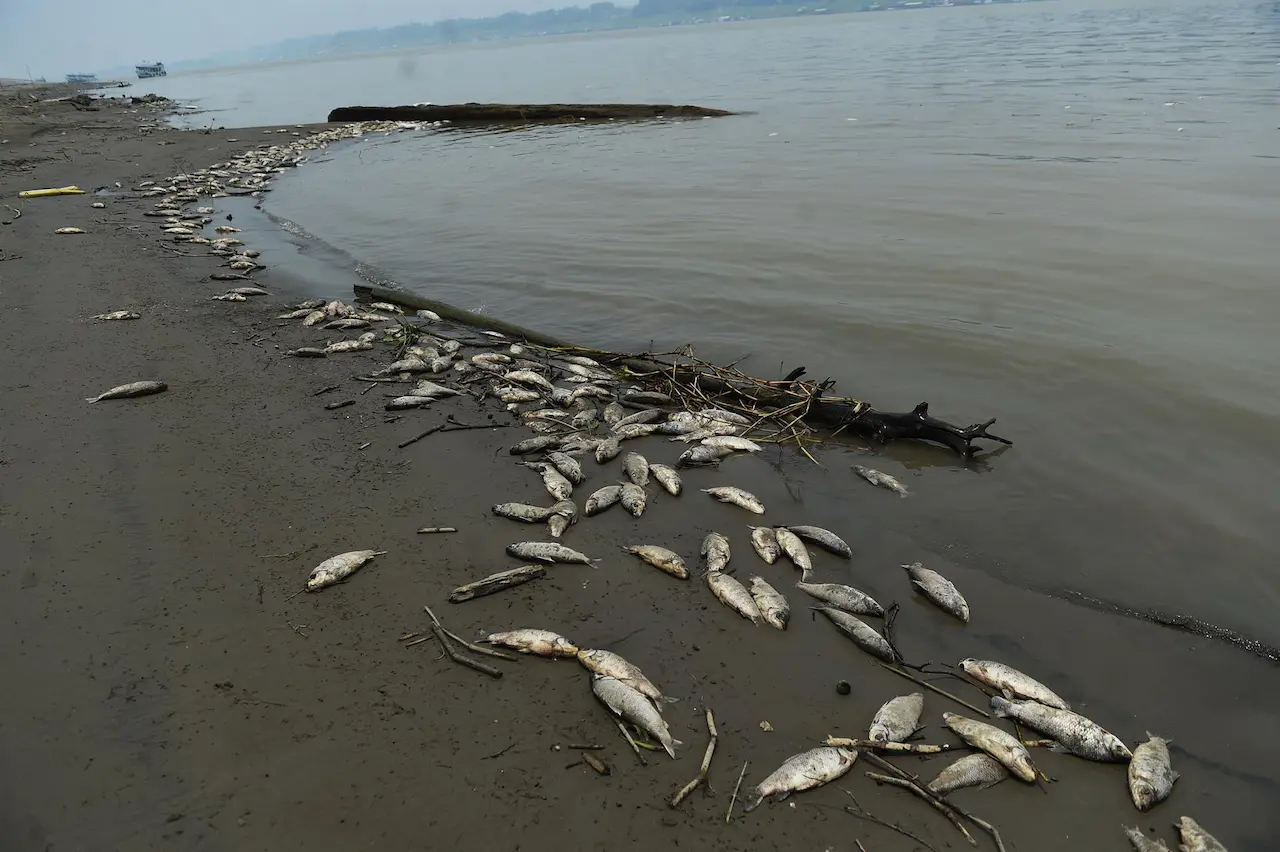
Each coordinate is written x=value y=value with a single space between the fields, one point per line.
x=497 y=582
x=849 y=415
x=474 y=113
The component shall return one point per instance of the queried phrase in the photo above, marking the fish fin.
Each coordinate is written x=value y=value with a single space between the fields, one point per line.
x=1059 y=748
x=1008 y=694
x=91 y=399
x=783 y=796
x=667 y=699
x=1176 y=775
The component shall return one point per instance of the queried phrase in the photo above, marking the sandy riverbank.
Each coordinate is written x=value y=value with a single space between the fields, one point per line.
x=158 y=695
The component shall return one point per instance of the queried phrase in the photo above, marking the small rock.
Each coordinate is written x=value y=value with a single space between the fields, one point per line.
x=765 y=726
x=843 y=687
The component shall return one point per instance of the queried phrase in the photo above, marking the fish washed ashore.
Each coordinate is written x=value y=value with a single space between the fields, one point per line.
x=168 y=684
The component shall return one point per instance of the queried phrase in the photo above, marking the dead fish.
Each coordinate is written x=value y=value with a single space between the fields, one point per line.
x=556 y=525
x=633 y=430
x=463 y=368
x=1151 y=775
x=527 y=640
x=580 y=360
x=564 y=514
x=585 y=420
x=1141 y=843
x=606 y=450
x=512 y=394
x=432 y=390
x=736 y=496
x=308 y=352
x=843 y=597
x=522 y=512
x=335 y=569
x=634 y=399
x=230 y=297
x=637 y=468
x=732 y=442
x=490 y=358
x=349 y=346
x=568 y=467
x=555 y=483
x=661 y=558
x=939 y=590
x=1073 y=732
x=227 y=229
x=804 y=771
x=976 y=770
x=429 y=316
x=178 y=230
x=825 y=539
x=897 y=719
x=609 y=664
x=1004 y=747
x=450 y=346
x=535 y=445
x=528 y=377
x=348 y=322
x=589 y=392
x=862 y=635
x=298 y=314
x=667 y=478
x=602 y=499
x=439 y=365
x=733 y=595
x=612 y=413
x=118 y=315
x=723 y=415
x=97 y=205
x=131 y=390
x=884 y=480
x=1011 y=682
x=794 y=548
x=401 y=403
x=386 y=307
x=547 y=551
x=715 y=551
x=242 y=264
x=647 y=415
x=766 y=544
x=772 y=605
x=630 y=705
x=314 y=318
x=634 y=499
x=703 y=455
x=1196 y=839
x=579 y=443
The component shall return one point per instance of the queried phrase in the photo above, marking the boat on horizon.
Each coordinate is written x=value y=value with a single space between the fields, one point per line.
x=150 y=69
x=82 y=78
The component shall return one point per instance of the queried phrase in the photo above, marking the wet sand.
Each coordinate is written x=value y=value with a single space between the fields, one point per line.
x=164 y=690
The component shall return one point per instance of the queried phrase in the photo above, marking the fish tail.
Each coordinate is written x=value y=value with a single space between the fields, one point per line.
x=1000 y=706
x=92 y=398
x=669 y=700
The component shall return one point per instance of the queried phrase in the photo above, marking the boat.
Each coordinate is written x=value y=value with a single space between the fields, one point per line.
x=151 y=70
x=82 y=78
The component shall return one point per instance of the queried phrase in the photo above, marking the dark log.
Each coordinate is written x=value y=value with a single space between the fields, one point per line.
x=845 y=414
x=497 y=582
x=473 y=113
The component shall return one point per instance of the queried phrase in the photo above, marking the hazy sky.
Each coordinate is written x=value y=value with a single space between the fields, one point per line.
x=58 y=36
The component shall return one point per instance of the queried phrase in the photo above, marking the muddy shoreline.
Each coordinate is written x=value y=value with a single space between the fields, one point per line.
x=165 y=690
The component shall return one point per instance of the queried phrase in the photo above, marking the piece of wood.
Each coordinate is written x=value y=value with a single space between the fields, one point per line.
x=933 y=688
x=488 y=652
x=419 y=436
x=432 y=530
x=728 y=815
x=461 y=660
x=595 y=763
x=897 y=748
x=335 y=405
x=474 y=113
x=937 y=804
x=946 y=803
x=631 y=740
x=497 y=582
x=706 y=764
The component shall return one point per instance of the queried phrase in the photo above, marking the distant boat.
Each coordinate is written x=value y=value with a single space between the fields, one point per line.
x=82 y=78
x=151 y=70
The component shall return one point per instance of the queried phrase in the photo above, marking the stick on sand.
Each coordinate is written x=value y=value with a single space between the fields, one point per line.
x=706 y=764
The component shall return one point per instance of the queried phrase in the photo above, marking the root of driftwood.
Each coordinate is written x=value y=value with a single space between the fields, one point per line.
x=497 y=582
x=461 y=660
x=439 y=629
x=869 y=817
x=933 y=802
x=895 y=748
x=933 y=688
x=728 y=815
x=946 y=806
x=706 y=765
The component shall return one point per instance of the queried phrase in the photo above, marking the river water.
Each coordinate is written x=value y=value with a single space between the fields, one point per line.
x=1059 y=214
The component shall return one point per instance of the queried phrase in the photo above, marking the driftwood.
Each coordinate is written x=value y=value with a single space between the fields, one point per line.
x=706 y=765
x=497 y=582
x=473 y=113
x=895 y=748
x=910 y=782
x=791 y=399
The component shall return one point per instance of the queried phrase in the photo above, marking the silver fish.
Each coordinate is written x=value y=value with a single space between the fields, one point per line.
x=801 y=772
x=585 y=419
x=401 y=403
x=547 y=551
x=612 y=413
x=939 y=590
x=637 y=468
x=667 y=478
x=580 y=360
x=230 y=297
x=609 y=664
x=566 y=509
x=825 y=539
x=130 y=390
x=630 y=705
x=843 y=597
x=723 y=416
x=310 y=304
x=535 y=445
x=648 y=415
x=556 y=484
x=1196 y=839
x=335 y=569
x=732 y=442
x=528 y=377
x=897 y=719
x=772 y=605
x=508 y=393
x=976 y=770
x=349 y=346
x=645 y=398
x=386 y=307
x=1011 y=682
x=765 y=544
x=661 y=558
x=884 y=480
x=428 y=388
x=308 y=352
x=490 y=358
x=118 y=315
x=862 y=635
x=733 y=595
x=314 y=318
x=715 y=551
x=450 y=346
x=429 y=316
x=1151 y=775
x=793 y=547
x=1141 y=843
x=634 y=430
x=544 y=643
x=345 y=322
x=680 y=428
x=703 y=455
x=602 y=499
x=556 y=525
x=634 y=499
x=298 y=314
x=568 y=467
x=439 y=365
x=590 y=392
x=606 y=450
x=1073 y=732
x=736 y=496
x=1003 y=746
x=522 y=512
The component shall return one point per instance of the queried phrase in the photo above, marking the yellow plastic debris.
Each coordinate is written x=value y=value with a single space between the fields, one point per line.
x=41 y=193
